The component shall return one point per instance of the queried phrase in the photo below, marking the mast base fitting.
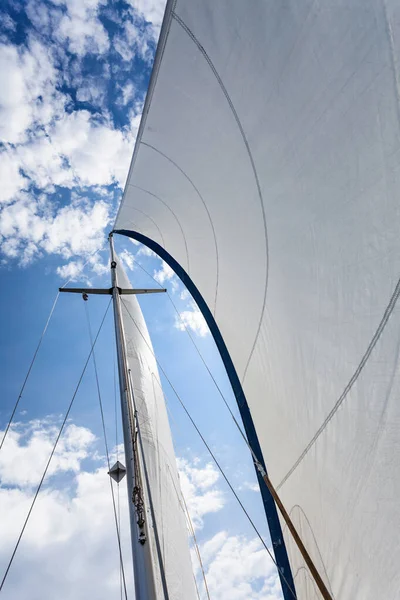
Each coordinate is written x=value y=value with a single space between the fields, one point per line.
x=142 y=538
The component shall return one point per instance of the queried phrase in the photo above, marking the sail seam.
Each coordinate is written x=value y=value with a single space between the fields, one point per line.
x=205 y=207
x=172 y=213
x=165 y=27
x=386 y=315
x=151 y=219
x=253 y=166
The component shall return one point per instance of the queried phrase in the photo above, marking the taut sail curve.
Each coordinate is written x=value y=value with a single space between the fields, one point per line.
x=268 y=157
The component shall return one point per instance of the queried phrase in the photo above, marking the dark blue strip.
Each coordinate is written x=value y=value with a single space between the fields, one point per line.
x=269 y=504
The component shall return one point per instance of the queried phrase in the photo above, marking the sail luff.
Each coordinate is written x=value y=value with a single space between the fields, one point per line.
x=141 y=552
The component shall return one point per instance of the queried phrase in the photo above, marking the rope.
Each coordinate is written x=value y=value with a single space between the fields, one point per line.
x=107 y=452
x=52 y=452
x=37 y=350
x=191 y=528
x=210 y=452
x=29 y=371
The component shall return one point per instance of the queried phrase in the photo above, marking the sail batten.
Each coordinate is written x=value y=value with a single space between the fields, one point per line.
x=272 y=134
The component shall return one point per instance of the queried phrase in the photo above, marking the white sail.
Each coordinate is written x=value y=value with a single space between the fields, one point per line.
x=164 y=510
x=267 y=165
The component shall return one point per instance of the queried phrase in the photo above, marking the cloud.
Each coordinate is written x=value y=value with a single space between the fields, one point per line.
x=11 y=177
x=28 y=94
x=198 y=488
x=165 y=274
x=72 y=524
x=146 y=251
x=29 y=229
x=27 y=447
x=69 y=548
x=7 y=22
x=128 y=259
x=239 y=568
x=81 y=28
x=152 y=11
x=192 y=319
x=128 y=92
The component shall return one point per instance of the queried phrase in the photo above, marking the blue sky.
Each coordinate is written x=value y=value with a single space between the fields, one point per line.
x=73 y=81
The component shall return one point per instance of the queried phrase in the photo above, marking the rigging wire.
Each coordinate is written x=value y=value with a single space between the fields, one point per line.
x=185 y=509
x=29 y=370
x=37 y=350
x=211 y=454
x=196 y=545
x=122 y=570
x=53 y=450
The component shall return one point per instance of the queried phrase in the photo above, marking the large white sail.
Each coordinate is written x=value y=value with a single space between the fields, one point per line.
x=164 y=509
x=267 y=165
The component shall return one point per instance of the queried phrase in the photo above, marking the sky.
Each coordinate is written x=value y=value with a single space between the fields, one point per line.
x=73 y=78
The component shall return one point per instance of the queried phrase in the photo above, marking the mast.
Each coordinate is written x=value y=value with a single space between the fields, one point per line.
x=143 y=566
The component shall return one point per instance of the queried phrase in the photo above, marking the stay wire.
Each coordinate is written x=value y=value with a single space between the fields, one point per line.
x=36 y=353
x=53 y=451
x=212 y=454
x=192 y=532
x=122 y=570
x=29 y=370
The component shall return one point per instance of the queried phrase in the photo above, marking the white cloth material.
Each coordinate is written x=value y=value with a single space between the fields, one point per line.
x=159 y=458
x=268 y=166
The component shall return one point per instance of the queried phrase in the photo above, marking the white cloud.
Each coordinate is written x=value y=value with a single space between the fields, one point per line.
x=249 y=485
x=73 y=525
x=28 y=94
x=238 y=568
x=128 y=259
x=12 y=181
x=184 y=295
x=71 y=270
x=45 y=146
x=165 y=274
x=27 y=447
x=81 y=27
x=28 y=229
x=91 y=91
x=192 y=319
x=128 y=92
x=151 y=11
x=145 y=251
x=7 y=22
x=198 y=487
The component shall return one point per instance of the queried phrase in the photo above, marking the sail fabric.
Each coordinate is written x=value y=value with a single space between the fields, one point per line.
x=165 y=509
x=267 y=165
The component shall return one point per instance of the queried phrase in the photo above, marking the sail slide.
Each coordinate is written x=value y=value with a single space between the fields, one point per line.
x=267 y=166
x=160 y=484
